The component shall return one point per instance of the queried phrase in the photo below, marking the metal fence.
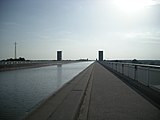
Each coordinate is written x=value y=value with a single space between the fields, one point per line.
x=24 y=62
x=148 y=75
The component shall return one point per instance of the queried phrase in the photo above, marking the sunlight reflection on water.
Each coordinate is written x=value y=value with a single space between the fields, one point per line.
x=21 y=90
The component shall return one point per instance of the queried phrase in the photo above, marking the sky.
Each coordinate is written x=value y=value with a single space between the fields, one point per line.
x=123 y=29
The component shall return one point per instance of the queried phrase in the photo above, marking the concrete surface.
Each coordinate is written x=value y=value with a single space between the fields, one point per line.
x=65 y=103
x=95 y=94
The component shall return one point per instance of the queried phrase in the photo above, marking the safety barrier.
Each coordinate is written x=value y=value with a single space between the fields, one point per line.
x=149 y=75
x=24 y=62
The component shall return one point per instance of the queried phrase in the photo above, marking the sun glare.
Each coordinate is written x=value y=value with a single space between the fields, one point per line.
x=131 y=6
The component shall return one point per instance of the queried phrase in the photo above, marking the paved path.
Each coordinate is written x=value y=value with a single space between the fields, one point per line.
x=111 y=99
x=65 y=103
x=96 y=94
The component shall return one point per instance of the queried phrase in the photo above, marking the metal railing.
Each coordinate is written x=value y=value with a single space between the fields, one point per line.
x=25 y=62
x=149 y=75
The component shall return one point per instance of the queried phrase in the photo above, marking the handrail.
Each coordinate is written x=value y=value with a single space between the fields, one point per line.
x=133 y=64
x=148 y=75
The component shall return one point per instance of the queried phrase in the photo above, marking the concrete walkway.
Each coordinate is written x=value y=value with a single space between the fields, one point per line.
x=111 y=99
x=96 y=94
x=65 y=103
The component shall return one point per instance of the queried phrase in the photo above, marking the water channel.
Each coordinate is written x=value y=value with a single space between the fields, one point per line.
x=21 y=90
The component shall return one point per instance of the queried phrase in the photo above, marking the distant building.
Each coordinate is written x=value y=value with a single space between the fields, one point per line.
x=59 y=55
x=100 y=55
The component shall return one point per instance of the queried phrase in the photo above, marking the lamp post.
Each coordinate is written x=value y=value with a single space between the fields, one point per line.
x=15 y=51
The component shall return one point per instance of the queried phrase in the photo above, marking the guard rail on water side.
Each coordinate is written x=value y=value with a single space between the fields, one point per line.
x=25 y=62
x=149 y=75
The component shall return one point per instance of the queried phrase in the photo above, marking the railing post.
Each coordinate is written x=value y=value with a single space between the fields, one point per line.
x=148 y=77
x=135 y=72
x=122 y=69
x=116 y=66
x=128 y=70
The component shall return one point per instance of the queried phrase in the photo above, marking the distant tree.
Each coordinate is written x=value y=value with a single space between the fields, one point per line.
x=10 y=59
x=117 y=60
x=135 y=61
x=21 y=59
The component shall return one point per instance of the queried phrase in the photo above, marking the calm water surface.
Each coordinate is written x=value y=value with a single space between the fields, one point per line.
x=22 y=90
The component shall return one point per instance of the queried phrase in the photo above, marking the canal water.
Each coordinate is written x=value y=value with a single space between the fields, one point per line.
x=22 y=90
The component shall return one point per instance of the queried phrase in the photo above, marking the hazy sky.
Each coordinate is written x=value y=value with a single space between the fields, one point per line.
x=122 y=29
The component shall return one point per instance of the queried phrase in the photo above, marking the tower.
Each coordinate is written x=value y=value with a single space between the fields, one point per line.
x=59 y=55
x=100 y=55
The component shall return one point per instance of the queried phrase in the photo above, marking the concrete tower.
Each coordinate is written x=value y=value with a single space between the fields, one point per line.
x=59 y=55
x=100 y=55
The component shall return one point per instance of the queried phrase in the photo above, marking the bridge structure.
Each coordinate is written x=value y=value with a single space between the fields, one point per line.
x=16 y=65
x=98 y=93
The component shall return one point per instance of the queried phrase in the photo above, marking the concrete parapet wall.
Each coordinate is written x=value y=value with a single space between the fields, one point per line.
x=146 y=74
x=143 y=78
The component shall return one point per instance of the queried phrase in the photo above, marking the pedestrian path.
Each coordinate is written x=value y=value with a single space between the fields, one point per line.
x=111 y=99
x=96 y=94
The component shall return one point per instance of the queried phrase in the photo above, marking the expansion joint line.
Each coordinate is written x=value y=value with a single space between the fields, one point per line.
x=85 y=102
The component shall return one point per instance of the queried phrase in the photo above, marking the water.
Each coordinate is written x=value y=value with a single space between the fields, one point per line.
x=22 y=90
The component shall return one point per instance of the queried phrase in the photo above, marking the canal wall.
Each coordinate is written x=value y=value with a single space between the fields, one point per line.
x=67 y=99
x=95 y=94
x=16 y=65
